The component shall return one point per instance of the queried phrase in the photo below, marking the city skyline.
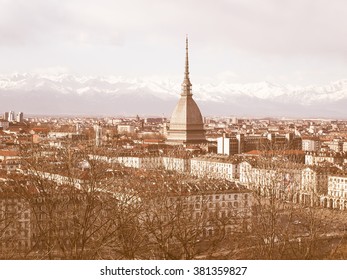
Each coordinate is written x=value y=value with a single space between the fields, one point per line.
x=97 y=162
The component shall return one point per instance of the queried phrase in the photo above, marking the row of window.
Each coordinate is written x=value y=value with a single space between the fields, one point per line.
x=225 y=204
x=338 y=180
x=338 y=194
x=216 y=197
x=224 y=197
x=14 y=244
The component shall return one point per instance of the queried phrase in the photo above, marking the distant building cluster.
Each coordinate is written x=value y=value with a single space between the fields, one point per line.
x=12 y=117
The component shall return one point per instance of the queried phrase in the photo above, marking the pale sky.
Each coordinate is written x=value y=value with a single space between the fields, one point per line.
x=298 y=42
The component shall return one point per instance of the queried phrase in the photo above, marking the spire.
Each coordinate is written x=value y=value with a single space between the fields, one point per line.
x=186 y=85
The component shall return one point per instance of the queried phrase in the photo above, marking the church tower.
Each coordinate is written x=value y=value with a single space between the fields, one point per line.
x=186 y=123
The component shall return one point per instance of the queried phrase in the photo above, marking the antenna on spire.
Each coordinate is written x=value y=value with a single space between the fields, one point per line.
x=187 y=61
x=186 y=85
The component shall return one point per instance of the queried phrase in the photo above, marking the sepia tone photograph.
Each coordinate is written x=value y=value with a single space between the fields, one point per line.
x=173 y=130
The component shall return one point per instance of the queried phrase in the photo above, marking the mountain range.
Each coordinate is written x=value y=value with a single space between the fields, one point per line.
x=82 y=95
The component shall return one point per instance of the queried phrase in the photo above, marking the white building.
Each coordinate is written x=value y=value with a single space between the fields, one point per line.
x=314 y=183
x=11 y=116
x=125 y=128
x=336 y=145
x=140 y=162
x=337 y=186
x=98 y=134
x=20 y=117
x=9 y=160
x=245 y=172
x=15 y=217
x=337 y=192
x=311 y=144
x=223 y=146
x=218 y=167
x=233 y=205
x=180 y=165
x=287 y=181
x=313 y=158
x=344 y=147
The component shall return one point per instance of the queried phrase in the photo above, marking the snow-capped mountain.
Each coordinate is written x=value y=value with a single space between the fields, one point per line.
x=68 y=94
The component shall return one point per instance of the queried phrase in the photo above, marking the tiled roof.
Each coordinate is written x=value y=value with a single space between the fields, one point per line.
x=7 y=153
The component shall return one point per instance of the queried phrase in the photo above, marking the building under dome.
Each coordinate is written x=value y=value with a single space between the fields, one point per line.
x=186 y=123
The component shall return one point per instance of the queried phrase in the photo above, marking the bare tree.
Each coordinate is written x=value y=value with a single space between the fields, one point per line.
x=287 y=221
